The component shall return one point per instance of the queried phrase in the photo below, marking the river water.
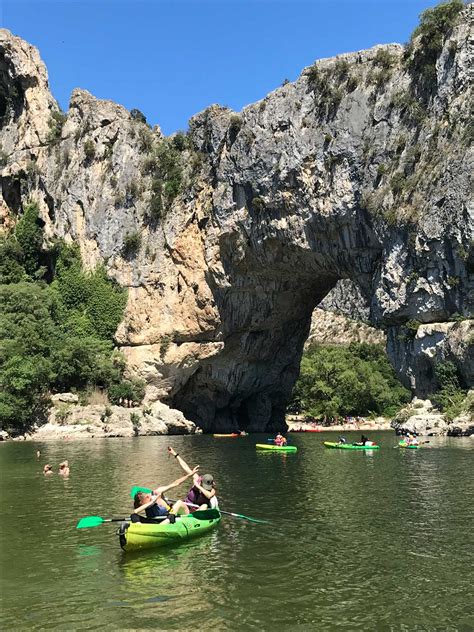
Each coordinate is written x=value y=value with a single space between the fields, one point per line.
x=357 y=541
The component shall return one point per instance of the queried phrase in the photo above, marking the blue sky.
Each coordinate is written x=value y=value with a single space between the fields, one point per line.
x=171 y=59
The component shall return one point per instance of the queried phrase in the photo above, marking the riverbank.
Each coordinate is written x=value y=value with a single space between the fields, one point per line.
x=68 y=420
x=296 y=424
x=419 y=416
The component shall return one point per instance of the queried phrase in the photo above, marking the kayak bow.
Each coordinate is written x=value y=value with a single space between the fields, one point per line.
x=411 y=446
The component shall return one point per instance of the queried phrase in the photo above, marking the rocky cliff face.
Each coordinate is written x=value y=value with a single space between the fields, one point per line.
x=229 y=237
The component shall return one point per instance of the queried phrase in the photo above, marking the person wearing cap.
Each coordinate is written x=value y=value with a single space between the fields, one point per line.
x=202 y=493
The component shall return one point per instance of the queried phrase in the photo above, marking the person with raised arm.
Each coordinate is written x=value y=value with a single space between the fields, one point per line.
x=155 y=506
x=203 y=492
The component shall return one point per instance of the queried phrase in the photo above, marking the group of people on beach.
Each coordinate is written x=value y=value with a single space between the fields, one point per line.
x=202 y=495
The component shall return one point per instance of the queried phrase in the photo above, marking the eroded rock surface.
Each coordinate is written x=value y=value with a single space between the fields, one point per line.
x=69 y=420
x=344 y=174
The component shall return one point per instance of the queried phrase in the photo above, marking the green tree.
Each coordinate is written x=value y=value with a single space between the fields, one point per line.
x=354 y=380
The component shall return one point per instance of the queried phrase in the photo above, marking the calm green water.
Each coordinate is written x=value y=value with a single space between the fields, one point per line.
x=358 y=541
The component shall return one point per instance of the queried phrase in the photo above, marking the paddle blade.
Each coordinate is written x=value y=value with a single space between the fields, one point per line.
x=253 y=519
x=89 y=522
x=235 y=515
x=136 y=488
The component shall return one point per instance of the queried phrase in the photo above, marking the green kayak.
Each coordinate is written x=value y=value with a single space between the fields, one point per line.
x=402 y=444
x=276 y=448
x=349 y=446
x=139 y=535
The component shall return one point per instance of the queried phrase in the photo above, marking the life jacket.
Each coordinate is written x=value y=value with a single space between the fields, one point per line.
x=157 y=510
x=196 y=497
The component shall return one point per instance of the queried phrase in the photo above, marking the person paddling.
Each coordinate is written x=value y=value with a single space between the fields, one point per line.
x=411 y=439
x=155 y=506
x=364 y=441
x=203 y=492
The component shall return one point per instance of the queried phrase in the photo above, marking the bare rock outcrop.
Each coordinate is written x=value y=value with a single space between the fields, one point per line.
x=420 y=417
x=352 y=172
x=67 y=419
x=330 y=328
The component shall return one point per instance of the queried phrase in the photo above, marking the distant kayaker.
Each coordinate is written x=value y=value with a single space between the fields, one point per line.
x=38 y=454
x=342 y=440
x=363 y=441
x=48 y=469
x=203 y=492
x=155 y=506
x=280 y=440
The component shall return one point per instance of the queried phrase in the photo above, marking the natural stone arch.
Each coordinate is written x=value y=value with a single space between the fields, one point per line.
x=272 y=289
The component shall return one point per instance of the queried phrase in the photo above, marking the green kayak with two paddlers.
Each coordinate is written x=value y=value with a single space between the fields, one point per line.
x=135 y=536
x=350 y=446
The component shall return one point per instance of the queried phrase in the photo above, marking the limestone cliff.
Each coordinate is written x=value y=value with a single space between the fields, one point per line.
x=227 y=238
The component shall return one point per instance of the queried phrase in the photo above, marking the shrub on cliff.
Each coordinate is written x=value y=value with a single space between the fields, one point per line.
x=55 y=124
x=449 y=397
x=131 y=244
x=353 y=380
x=427 y=42
x=127 y=392
x=138 y=116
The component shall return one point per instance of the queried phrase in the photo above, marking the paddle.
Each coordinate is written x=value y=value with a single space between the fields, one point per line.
x=135 y=489
x=95 y=521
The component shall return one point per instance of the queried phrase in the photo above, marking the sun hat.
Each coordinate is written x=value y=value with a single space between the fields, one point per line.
x=207 y=481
